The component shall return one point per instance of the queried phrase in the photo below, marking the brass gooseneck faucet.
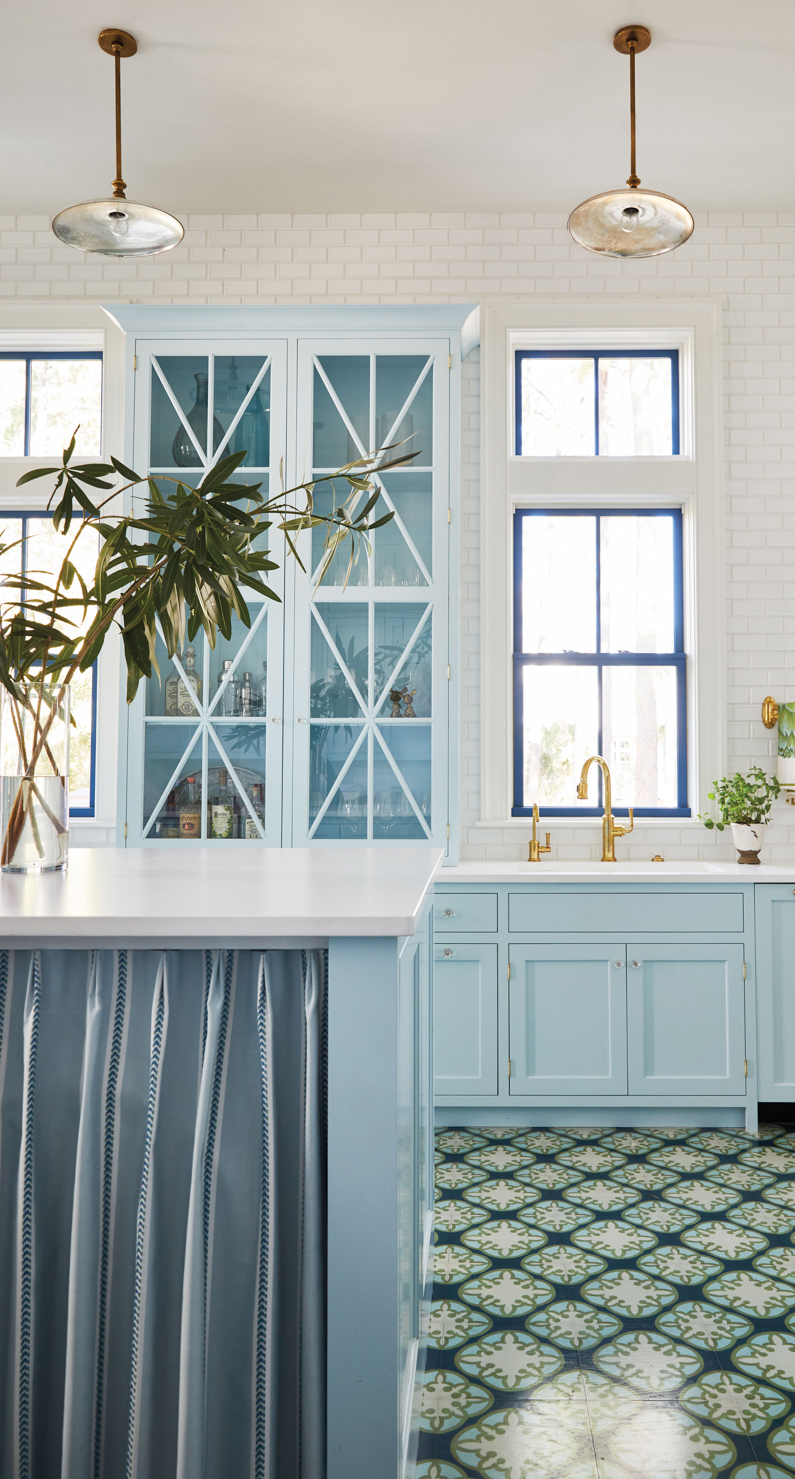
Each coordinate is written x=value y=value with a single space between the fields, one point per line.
x=610 y=827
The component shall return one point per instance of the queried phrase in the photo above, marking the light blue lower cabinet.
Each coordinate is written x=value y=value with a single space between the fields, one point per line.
x=775 y=977
x=465 y=1016
x=568 y=1020
x=685 y=1019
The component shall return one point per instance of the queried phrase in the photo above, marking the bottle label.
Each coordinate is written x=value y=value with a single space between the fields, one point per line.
x=251 y=828
x=190 y=824
x=222 y=820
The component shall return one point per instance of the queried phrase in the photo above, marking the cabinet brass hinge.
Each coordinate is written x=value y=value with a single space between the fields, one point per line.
x=449 y=362
x=448 y=672
x=509 y=970
x=448 y=829
x=125 y=831
x=135 y=362
x=744 y=975
x=509 y=1067
x=449 y=516
x=746 y=1067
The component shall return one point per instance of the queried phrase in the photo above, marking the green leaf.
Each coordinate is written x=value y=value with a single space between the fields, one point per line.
x=36 y=472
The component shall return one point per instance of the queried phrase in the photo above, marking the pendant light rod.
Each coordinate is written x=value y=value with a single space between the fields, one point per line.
x=118 y=44
x=629 y=41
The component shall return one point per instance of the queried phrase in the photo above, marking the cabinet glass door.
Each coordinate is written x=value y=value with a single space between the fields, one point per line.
x=205 y=751
x=370 y=684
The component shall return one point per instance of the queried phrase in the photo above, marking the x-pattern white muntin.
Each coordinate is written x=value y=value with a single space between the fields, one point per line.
x=209 y=458
x=205 y=730
x=371 y=707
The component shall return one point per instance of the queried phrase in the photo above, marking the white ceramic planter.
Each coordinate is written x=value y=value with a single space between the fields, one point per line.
x=748 y=840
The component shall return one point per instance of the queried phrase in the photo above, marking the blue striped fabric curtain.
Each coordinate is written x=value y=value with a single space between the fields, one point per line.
x=162 y=1214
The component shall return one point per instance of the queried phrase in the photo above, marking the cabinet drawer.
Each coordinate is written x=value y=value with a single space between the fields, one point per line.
x=552 y=911
x=454 y=914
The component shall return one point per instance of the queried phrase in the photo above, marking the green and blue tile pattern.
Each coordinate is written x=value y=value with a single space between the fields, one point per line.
x=612 y=1304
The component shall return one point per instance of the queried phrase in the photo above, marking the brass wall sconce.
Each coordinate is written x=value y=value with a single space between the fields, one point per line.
x=783 y=715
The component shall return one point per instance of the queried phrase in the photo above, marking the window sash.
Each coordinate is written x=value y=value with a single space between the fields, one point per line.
x=676 y=660
x=28 y=356
x=596 y=354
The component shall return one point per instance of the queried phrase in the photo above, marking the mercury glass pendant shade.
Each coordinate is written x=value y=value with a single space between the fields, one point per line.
x=117 y=227
x=631 y=222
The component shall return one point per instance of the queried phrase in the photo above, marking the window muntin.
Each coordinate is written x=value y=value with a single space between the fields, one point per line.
x=590 y=403
x=599 y=660
x=43 y=551
x=44 y=396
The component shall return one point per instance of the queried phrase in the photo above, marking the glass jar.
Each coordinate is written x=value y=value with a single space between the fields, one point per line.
x=34 y=779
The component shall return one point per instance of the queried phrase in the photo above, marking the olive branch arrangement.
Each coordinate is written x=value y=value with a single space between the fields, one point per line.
x=181 y=565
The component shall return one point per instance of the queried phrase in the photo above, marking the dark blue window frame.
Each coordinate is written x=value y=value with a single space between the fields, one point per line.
x=600 y=660
x=28 y=356
x=596 y=355
x=26 y=514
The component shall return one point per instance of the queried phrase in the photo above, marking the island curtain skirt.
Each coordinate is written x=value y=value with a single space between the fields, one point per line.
x=162 y=1214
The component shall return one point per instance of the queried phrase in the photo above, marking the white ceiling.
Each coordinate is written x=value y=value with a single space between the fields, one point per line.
x=359 y=105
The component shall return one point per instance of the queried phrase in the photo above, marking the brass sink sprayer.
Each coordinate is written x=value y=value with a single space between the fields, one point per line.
x=610 y=827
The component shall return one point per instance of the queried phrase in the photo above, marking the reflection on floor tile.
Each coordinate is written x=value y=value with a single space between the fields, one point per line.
x=612 y=1304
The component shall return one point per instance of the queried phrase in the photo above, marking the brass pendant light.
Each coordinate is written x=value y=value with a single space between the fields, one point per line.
x=118 y=227
x=631 y=222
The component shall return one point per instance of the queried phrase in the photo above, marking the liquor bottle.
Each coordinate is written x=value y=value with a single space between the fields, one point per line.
x=179 y=698
x=182 y=448
x=245 y=697
x=263 y=690
x=190 y=816
x=258 y=803
x=222 y=811
x=168 y=825
x=227 y=705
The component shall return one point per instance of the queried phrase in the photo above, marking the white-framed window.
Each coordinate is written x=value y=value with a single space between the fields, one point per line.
x=60 y=366
x=601 y=439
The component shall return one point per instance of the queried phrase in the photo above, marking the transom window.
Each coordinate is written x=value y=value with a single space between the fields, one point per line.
x=599 y=659
x=44 y=395
x=593 y=403
x=38 y=549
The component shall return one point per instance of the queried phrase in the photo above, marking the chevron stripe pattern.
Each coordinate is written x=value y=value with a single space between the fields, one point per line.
x=261 y=1377
x=26 y=1226
x=228 y=958
x=140 y=1232
x=119 y=1014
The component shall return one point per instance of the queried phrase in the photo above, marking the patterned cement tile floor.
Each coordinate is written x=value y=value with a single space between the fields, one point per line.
x=612 y=1305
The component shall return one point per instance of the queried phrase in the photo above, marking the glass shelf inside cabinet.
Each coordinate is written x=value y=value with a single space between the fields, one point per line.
x=172 y=803
x=189 y=392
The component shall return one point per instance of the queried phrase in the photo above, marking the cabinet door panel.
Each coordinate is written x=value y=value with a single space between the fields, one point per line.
x=775 y=977
x=686 y=1019
x=568 y=1019
x=465 y=1019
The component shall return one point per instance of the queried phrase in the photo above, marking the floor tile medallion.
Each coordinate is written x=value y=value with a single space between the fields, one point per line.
x=611 y=1304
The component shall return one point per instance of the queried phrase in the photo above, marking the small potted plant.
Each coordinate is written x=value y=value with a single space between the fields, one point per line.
x=744 y=803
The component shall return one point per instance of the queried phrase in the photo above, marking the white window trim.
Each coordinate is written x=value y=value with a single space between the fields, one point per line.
x=693 y=480
x=77 y=326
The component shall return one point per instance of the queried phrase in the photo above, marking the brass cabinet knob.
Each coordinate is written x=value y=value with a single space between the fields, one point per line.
x=636 y=964
x=618 y=964
x=448 y=913
x=447 y=953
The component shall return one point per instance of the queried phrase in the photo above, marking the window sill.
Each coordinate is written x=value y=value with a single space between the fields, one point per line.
x=512 y=823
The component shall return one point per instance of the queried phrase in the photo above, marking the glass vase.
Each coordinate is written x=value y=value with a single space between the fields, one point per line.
x=183 y=450
x=34 y=779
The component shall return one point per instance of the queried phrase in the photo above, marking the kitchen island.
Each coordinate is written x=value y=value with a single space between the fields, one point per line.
x=370 y=910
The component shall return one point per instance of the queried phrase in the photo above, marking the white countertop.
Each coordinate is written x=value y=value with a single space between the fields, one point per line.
x=624 y=871
x=203 y=894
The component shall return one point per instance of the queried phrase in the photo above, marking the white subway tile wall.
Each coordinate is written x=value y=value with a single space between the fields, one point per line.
x=747 y=259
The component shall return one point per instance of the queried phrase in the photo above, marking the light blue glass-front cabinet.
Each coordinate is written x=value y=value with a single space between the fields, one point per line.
x=370 y=690
x=205 y=735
